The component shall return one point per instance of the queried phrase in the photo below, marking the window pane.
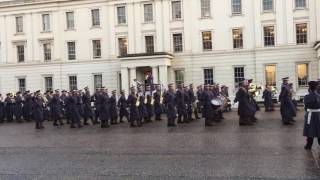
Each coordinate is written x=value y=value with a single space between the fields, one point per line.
x=22 y=84
x=20 y=53
x=302 y=74
x=46 y=22
x=95 y=17
x=48 y=84
x=267 y=5
x=73 y=83
x=176 y=10
x=236 y=6
x=123 y=46
x=47 y=51
x=300 y=3
x=207 y=40
x=177 y=43
x=302 y=33
x=96 y=48
x=148 y=13
x=208 y=76
x=237 y=38
x=271 y=75
x=179 y=75
x=238 y=75
x=19 y=24
x=149 y=44
x=97 y=81
x=121 y=15
x=71 y=51
x=70 y=20
x=205 y=8
x=269 y=36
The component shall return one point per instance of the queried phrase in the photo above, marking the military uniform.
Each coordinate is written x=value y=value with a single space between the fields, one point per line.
x=122 y=104
x=169 y=101
x=37 y=111
x=27 y=107
x=157 y=105
x=149 y=107
x=73 y=108
x=55 y=110
x=2 y=111
x=113 y=109
x=287 y=108
x=87 y=110
x=9 y=108
x=267 y=96
x=245 y=110
x=134 y=111
x=104 y=110
x=18 y=107
x=181 y=106
x=207 y=106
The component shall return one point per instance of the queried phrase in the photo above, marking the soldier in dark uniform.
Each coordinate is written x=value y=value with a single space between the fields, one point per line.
x=143 y=114
x=207 y=113
x=245 y=110
x=104 y=110
x=312 y=116
x=113 y=107
x=9 y=107
x=27 y=106
x=267 y=96
x=169 y=101
x=287 y=108
x=188 y=104
x=37 y=110
x=200 y=100
x=193 y=101
x=73 y=107
x=122 y=105
x=134 y=111
x=55 y=108
x=67 y=107
x=80 y=103
x=87 y=110
x=149 y=104
x=2 y=109
x=157 y=103
x=181 y=105
x=94 y=98
x=18 y=107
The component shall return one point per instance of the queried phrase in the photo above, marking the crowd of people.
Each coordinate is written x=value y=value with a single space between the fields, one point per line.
x=143 y=105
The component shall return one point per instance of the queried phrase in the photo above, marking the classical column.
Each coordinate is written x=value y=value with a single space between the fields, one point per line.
x=125 y=80
x=155 y=74
x=133 y=76
x=163 y=76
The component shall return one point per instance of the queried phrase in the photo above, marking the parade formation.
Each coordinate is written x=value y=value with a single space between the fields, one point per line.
x=147 y=103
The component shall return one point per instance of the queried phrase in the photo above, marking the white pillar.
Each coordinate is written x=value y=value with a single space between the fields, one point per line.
x=125 y=80
x=155 y=74
x=133 y=76
x=163 y=76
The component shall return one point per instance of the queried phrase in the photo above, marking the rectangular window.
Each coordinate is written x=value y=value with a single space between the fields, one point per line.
x=95 y=15
x=19 y=24
x=269 y=36
x=238 y=75
x=207 y=40
x=271 y=75
x=205 y=8
x=176 y=10
x=303 y=74
x=179 y=76
x=96 y=48
x=45 y=22
x=97 y=81
x=48 y=83
x=300 y=4
x=47 y=51
x=148 y=12
x=237 y=38
x=22 y=84
x=73 y=83
x=71 y=50
x=122 y=19
x=236 y=7
x=208 y=76
x=302 y=33
x=70 y=20
x=149 y=44
x=267 y=5
x=123 y=46
x=20 y=53
x=177 y=42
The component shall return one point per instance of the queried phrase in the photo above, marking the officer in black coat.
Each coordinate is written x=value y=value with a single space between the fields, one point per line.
x=9 y=107
x=104 y=110
x=73 y=107
x=37 y=110
x=55 y=108
x=181 y=105
x=134 y=111
x=2 y=109
x=27 y=106
x=122 y=105
x=169 y=101
x=188 y=104
x=311 y=128
x=207 y=111
x=245 y=109
x=143 y=113
x=87 y=110
x=149 y=104
x=18 y=107
x=157 y=103
x=287 y=108
x=267 y=96
x=113 y=108
x=94 y=99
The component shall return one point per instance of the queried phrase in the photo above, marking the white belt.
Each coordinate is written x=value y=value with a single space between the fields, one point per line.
x=310 y=111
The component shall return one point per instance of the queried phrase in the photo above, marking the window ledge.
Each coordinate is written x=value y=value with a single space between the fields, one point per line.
x=149 y=22
x=176 y=20
x=19 y=34
x=46 y=32
x=236 y=15
x=70 y=29
x=204 y=18
x=268 y=12
x=95 y=27
x=122 y=25
x=97 y=58
x=301 y=9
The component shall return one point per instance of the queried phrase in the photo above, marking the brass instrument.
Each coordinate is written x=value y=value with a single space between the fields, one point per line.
x=138 y=100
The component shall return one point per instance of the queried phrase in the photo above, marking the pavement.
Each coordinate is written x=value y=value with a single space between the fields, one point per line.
x=267 y=150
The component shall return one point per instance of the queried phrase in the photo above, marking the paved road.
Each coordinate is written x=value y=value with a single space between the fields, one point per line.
x=268 y=150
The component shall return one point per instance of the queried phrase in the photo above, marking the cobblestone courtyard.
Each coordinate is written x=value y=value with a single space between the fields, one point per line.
x=268 y=150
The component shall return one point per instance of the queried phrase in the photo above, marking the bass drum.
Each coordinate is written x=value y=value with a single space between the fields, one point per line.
x=216 y=103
